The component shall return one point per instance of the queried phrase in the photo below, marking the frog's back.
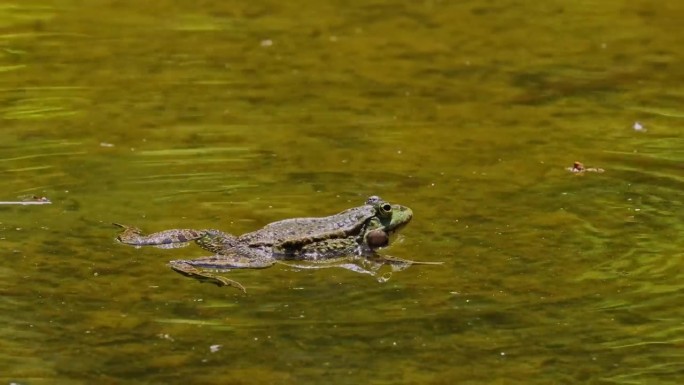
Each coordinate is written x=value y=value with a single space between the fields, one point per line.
x=298 y=230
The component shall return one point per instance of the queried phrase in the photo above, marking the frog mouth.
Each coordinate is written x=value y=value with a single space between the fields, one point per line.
x=403 y=217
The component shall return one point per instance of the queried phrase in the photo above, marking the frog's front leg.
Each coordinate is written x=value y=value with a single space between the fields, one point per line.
x=164 y=239
x=399 y=264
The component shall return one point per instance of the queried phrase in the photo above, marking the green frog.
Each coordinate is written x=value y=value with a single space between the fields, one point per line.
x=348 y=239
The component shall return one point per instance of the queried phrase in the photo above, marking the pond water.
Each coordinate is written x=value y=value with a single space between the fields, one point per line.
x=231 y=115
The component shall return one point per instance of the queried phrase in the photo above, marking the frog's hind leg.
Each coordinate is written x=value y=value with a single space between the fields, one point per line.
x=204 y=269
x=166 y=239
x=188 y=270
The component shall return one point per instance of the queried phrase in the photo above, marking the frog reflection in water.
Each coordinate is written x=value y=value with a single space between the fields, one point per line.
x=348 y=239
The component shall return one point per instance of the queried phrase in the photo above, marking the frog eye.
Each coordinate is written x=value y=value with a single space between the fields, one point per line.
x=373 y=199
x=386 y=207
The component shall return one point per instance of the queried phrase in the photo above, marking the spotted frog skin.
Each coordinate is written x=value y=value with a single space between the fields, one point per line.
x=348 y=239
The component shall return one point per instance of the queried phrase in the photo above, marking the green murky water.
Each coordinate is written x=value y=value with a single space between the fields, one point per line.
x=235 y=114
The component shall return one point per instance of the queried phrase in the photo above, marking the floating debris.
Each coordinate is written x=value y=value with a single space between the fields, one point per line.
x=638 y=127
x=28 y=200
x=579 y=168
x=165 y=336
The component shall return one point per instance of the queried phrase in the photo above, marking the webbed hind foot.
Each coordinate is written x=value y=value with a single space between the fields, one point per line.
x=183 y=267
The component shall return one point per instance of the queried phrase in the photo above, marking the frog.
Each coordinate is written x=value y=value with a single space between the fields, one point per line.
x=349 y=239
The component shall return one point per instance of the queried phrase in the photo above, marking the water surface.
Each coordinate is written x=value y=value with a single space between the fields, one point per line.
x=232 y=115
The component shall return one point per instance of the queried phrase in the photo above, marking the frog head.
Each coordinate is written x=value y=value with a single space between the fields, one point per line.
x=388 y=220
